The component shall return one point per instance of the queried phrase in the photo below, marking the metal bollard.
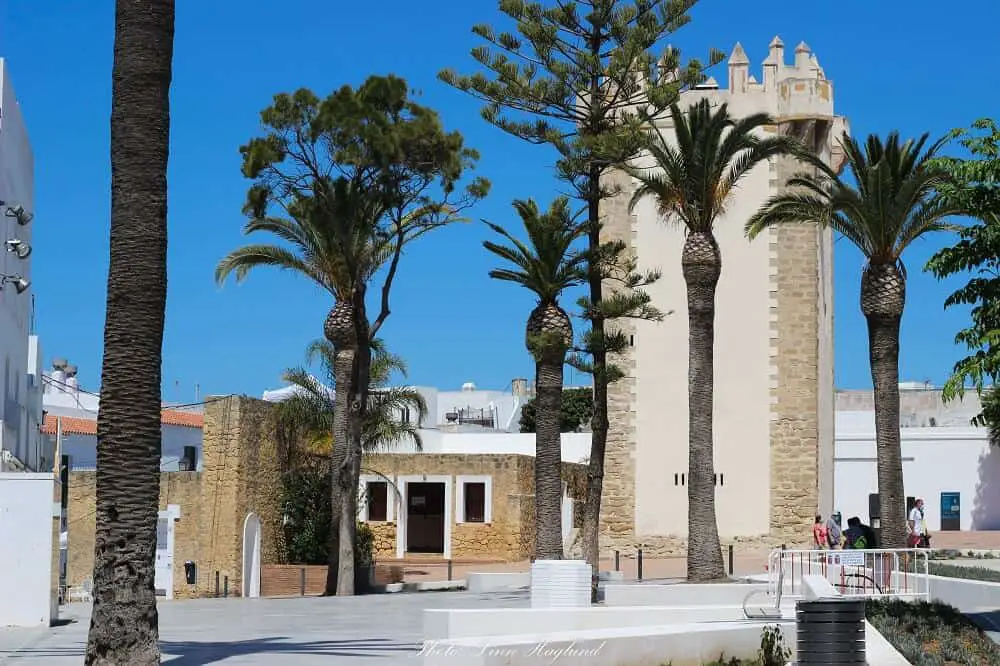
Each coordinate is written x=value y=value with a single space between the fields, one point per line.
x=216 y=583
x=225 y=587
x=449 y=569
x=302 y=581
x=639 y=564
x=617 y=561
x=731 y=566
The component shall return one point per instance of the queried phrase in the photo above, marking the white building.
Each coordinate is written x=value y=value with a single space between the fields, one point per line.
x=946 y=461
x=70 y=425
x=20 y=405
x=473 y=420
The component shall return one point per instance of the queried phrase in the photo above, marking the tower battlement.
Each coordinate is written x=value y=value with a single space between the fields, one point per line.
x=787 y=90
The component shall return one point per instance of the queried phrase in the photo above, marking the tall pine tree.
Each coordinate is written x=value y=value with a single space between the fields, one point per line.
x=582 y=77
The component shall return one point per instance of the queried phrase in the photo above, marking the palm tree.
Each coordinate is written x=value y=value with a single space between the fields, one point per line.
x=312 y=407
x=893 y=202
x=547 y=267
x=692 y=182
x=330 y=238
x=124 y=623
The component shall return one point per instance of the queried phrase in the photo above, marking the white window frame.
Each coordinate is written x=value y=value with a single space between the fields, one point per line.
x=391 y=499
x=460 y=482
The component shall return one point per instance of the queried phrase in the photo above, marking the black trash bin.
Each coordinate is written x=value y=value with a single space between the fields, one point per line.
x=190 y=573
x=830 y=631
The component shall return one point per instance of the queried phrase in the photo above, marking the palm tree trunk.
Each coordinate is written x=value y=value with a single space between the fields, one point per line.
x=702 y=264
x=342 y=372
x=124 y=624
x=351 y=470
x=548 y=459
x=882 y=299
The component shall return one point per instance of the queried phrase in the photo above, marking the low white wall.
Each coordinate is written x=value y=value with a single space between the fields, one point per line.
x=965 y=595
x=495 y=582
x=28 y=584
x=680 y=594
x=441 y=624
x=677 y=644
x=879 y=651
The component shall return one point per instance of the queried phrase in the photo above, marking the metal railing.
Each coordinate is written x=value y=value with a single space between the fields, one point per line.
x=854 y=573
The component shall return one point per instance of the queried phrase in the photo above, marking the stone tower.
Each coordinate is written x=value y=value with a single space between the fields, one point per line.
x=774 y=400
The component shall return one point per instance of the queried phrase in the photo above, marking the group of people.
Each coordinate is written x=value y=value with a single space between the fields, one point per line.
x=828 y=535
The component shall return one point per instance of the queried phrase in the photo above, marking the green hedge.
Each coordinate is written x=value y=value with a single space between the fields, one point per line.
x=970 y=573
x=932 y=634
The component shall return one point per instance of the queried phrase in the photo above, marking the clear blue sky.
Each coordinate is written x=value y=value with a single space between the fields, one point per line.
x=915 y=65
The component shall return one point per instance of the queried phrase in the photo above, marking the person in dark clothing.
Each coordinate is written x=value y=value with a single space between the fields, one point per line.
x=859 y=536
x=871 y=539
x=853 y=532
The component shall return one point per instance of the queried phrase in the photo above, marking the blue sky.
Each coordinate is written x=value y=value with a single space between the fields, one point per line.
x=914 y=65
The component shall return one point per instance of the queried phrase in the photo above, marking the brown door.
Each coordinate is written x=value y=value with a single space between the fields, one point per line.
x=425 y=518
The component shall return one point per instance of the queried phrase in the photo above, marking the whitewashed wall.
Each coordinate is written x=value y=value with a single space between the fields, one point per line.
x=16 y=189
x=575 y=445
x=28 y=596
x=935 y=460
x=82 y=449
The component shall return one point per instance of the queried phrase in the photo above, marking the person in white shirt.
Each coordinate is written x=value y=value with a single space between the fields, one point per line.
x=917 y=525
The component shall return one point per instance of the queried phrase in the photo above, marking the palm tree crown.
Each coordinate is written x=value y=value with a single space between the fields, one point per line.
x=393 y=417
x=327 y=235
x=894 y=200
x=546 y=265
x=692 y=180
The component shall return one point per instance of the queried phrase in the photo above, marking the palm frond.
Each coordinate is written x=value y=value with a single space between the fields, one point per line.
x=547 y=264
x=893 y=200
x=693 y=178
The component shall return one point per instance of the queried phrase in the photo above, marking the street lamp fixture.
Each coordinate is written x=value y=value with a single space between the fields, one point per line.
x=20 y=284
x=19 y=248
x=22 y=216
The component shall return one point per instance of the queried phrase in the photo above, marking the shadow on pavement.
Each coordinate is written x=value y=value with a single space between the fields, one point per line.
x=186 y=653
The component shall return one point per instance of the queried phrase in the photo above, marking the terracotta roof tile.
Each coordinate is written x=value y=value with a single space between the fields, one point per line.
x=72 y=425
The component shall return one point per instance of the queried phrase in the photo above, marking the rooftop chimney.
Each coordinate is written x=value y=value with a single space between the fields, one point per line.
x=519 y=387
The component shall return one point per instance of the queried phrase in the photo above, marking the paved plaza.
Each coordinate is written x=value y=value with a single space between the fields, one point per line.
x=375 y=630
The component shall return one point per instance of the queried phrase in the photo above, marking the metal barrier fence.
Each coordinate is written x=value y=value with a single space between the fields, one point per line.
x=854 y=573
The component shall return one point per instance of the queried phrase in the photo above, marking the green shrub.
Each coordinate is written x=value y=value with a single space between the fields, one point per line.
x=364 y=546
x=932 y=634
x=970 y=573
x=773 y=651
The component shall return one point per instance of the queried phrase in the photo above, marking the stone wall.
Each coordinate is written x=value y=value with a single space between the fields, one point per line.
x=241 y=475
x=618 y=500
x=180 y=488
x=795 y=365
x=510 y=534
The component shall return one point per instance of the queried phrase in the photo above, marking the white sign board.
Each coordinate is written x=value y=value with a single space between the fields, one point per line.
x=848 y=558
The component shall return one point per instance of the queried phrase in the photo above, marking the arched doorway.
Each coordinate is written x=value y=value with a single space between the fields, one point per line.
x=251 y=556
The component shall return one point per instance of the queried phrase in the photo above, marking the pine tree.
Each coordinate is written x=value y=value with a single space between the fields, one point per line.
x=581 y=76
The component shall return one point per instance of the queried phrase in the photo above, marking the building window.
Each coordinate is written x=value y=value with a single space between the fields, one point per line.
x=378 y=501
x=405 y=415
x=474 y=501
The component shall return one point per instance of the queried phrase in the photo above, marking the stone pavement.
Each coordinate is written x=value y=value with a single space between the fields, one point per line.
x=375 y=630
